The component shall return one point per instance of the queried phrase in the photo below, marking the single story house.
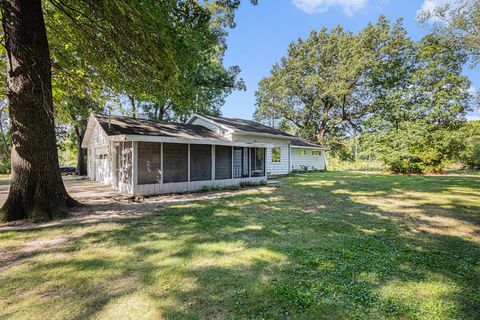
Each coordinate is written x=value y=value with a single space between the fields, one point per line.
x=142 y=157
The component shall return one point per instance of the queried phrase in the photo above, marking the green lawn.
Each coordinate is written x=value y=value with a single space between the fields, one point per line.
x=323 y=246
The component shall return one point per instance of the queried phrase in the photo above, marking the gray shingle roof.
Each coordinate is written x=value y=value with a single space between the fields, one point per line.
x=299 y=142
x=255 y=127
x=247 y=125
x=118 y=125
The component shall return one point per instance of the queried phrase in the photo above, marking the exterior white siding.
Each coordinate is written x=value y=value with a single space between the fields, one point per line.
x=273 y=168
x=316 y=162
x=215 y=128
x=178 y=187
x=99 y=169
x=104 y=155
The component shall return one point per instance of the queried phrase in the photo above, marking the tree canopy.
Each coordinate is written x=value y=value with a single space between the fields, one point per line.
x=402 y=96
x=459 y=22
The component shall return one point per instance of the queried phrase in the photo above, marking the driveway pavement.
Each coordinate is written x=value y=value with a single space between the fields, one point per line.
x=79 y=188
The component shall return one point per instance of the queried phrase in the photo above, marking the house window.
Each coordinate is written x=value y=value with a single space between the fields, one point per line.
x=200 y=162
x=258 y=162
x=223 y=162
x=175 y=162
x=303 y=152
x=276 y=154
x=149 y=171
x=316 y=153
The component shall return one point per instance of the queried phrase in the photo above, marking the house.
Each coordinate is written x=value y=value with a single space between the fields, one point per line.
x=142 y=157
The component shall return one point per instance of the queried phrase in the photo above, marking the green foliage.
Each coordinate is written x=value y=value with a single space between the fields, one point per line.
x=459 y=22
x=323 y=87
x=419 y=113
x=402 y=98
x=166 y=53
x=470 y=136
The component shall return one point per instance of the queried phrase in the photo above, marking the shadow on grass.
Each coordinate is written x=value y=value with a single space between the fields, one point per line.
x=303 y=251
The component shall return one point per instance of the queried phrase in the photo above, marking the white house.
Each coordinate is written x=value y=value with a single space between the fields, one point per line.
x=142 y=157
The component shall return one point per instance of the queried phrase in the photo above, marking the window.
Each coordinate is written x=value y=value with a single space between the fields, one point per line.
x=303 y=152
x=223 y=162
x=316 y=153
x=240 y=162
x=175 y=162
x=258 y=162
x=149 y=171
x=276 y=154
x=200 y=162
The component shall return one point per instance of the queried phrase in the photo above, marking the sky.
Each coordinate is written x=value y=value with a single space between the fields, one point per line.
x=264 y=31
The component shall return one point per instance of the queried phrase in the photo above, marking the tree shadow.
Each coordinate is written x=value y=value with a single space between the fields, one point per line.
x=302 y=251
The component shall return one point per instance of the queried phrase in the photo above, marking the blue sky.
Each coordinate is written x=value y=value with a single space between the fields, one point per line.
x=264 y=31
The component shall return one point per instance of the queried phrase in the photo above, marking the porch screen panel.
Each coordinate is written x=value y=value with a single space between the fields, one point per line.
x=200 y=162
x=258 y=162
x=175 y=162
x=149 y=170
x=240 y=162
x=223 y=162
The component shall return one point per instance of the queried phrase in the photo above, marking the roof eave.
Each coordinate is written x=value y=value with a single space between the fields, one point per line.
x=310 y=147
x=262 y=134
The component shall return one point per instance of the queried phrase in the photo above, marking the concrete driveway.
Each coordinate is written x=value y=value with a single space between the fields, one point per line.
x=78 y=188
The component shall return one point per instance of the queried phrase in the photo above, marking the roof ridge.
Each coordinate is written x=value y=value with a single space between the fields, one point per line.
x=210 y=117
x=147 y=120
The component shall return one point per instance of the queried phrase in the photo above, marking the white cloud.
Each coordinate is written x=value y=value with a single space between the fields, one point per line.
x=317 y=6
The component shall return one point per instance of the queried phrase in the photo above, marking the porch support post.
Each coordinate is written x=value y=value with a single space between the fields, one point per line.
x=134 y=165
x=213 y=163
x=231 y=171
x=249 y=162
x=188 y=161
x=161 y=162
x=265 y=162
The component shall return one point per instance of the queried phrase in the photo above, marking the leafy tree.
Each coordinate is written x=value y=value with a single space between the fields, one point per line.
x=418 y=114
x=125 y=43
x=323 y=88
x=458 y=22
x=469 y=134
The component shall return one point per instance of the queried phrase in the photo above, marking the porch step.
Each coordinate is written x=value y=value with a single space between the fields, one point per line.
x=274 y=183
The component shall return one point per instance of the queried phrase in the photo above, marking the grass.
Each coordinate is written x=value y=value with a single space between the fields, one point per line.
x=323 y=246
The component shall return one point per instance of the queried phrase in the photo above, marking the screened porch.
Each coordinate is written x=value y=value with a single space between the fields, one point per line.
x=161 y=167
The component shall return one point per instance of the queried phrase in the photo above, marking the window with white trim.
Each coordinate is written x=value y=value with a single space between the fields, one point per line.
x=316 y=153
x=303 y=152
x=276 y=154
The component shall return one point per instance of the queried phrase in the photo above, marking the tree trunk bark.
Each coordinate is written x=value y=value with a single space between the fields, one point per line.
x=81 y=162
x=36 y=191
x=134 y=109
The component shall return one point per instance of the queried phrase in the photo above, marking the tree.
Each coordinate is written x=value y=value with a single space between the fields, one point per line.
x=419 y=113
x=458 y=22
x=36 y=189
x=119 y=41
x=469 y=134
x=323 y=88
x=180 y=66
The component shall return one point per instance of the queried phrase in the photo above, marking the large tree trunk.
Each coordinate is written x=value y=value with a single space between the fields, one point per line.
x=36 y=191
x=81 y=162
x=134 y=109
